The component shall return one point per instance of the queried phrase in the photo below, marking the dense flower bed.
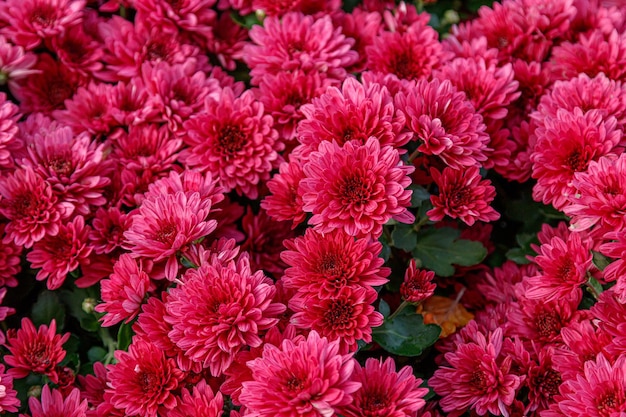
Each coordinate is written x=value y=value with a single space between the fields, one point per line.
x=309 y=208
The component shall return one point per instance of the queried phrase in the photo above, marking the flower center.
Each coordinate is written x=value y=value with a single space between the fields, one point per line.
x=374 y=402
x=577 y=161
x=548 y=324
x=339 y=314
x=478 y=380
x=355 y=190
x=60 y=164
x=460 y=196
x=295 y=384
x=43 y=16
x=231 y=139
x=549 y=383
x=166 y=234
x=610 y=403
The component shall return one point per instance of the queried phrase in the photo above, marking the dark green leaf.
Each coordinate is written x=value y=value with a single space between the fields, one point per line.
x=600 y=261
x=90 y=323
x=385 y=253
x=419 y=195
x=440 y=249
x=124 y=336
x=519 y=255
x=48 y=307
x=96 y=354
x=406 y=335
x=384 y=309
x=404 y=237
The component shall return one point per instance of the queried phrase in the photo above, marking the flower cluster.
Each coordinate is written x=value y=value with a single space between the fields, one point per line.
x=258 y=208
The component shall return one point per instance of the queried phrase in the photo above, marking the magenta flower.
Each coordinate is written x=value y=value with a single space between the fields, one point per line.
x=309 y=378
x=357 y=187
x=417 y=285
x=54 y=404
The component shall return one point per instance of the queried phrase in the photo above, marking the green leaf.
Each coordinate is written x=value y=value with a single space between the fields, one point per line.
x=124 y=336
x=419 y=195
x=406 y=334
x=48 y=307
x=440 y=249
x=600 y=261
x=384 y=309
x=96 y=354
x=404 y=237
x=385 y=253
x=519 y=255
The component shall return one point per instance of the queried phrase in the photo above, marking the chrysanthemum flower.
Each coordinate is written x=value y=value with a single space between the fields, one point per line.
x=62 y=253
x=130 y=103
x=385 y=391
x=310 y=7
x=167 y=225
x=48 y=89
x=444 y=123
x=15 y=64
x=8 y=397
x=600 y=198
x=357 y=188
x=543 y=381
x=179 y=91
x=88 y=110
x=463 y=194
x=143 y=380
x=600 y=391
x=592 y=54
x=107 y=230
x=540 y=321
x=195 y=16
x=610 y=312
x=297 y=41
x=566 y=145
x=9 y=115
x=123 y=293
x=409 y=55
x=217 y=310
x=563 y=269
x=78 y=51
x=477 y=378
x=308 y=378
x=262 y=235
x=10 y=261
x=285 y=203
x=323 y=264
x=189 y=182
x=354 y=112
x=346 y=316
x=92 y=387
x=234 y=140
x=201 y=402
x=75 y=167
x=361 y=25
x=31 y=208
x=28 y=23
x=35 y=350
x=53 y=404
x=284 y=93
x=417 y=285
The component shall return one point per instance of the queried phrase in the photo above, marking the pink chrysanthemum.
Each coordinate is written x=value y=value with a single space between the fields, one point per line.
x=10 y=261
x=195 y=16
x=310 y=7
x=600 y=391
x=217 y=310
x=234 y=140
x=15 y=64
x=539 y=321
x=75 y=167
x=357 y=187
x=124 y=292
x=566 y=145
x=600 y=198
x=409 y=55
x=600 y=93
x=201 y=402
x=262 y=235
x=78 y=51
x=354 y=112
x=62 y=253
x=107 y=230
x=543 y=381
x=47 y=89
x=298 y=42
x=28 y=23
x=189 y=182
x=384 y=391
x=444 y=123
x=166 y=226
x=477 y=378
x=8 y=396
x=9 y=115
x=31 y=208
x=563 y=269
x=88 y=110
x=362 y=26
x=284 y=93
x=325 y=263
x=309 y=378
x=92 y=387
x=592 y=54
x=35 y=350
x=285 y=203
x=127 y=46
x=54 y=404
x=143 y=380
x=130 y=103
x=179 y=91
x=417 y=285
x=463 y=194
x=346 y=316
